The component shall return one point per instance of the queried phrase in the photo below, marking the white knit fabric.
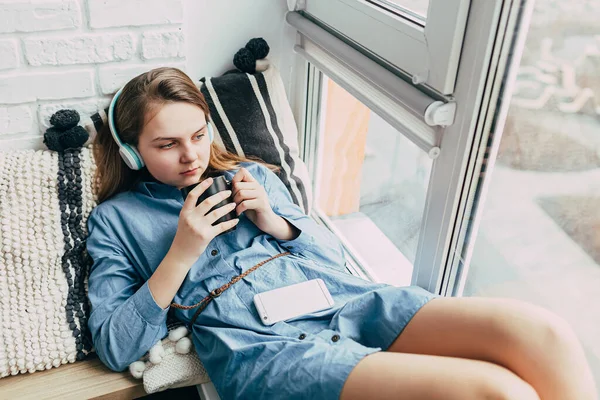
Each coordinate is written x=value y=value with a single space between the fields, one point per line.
x=34 y=332
x=171 y=363
x=174 y=370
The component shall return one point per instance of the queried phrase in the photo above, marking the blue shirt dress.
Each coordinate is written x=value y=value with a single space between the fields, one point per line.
x=308 y=357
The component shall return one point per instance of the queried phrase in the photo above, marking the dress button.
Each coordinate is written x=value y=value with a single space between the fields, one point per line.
x=335 y=338
x=302 y=336
x=214 y=252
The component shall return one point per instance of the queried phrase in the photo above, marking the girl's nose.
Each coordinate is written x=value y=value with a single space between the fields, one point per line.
x=188 y=154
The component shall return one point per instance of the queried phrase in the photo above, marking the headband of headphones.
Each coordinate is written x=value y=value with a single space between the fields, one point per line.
x=129 y=153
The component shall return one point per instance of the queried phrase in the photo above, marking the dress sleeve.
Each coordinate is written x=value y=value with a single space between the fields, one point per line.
x=125 y=320
x=314 y=240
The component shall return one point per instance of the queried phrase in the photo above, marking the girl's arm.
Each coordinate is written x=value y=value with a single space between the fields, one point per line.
x=125 y=319
x=128 y=315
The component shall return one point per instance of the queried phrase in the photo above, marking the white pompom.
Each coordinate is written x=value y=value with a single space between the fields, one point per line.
x=137 y=369
x=156 y=353
x=178 y=333
x=184 y=345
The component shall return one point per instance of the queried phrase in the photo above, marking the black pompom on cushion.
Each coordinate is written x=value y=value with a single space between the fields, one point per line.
x=64 y=119
x=74 y=137
x=65 y=133
x=245 y=59
x=258 y=47
x=52 y=139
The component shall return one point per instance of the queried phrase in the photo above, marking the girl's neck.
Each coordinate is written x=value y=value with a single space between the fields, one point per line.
x=146 y=176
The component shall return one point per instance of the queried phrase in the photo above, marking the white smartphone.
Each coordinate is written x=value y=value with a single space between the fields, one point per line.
x=292 y=301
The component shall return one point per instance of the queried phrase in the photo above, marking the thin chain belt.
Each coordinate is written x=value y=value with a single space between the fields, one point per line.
x=217 y=292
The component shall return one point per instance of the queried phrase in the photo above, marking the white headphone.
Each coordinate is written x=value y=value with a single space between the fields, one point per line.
x=130 y=153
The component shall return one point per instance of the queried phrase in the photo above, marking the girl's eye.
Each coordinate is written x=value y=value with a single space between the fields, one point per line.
x=171 y=144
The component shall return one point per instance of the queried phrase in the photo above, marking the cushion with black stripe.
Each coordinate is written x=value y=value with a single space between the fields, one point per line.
x=45 y=200
x=252 y=116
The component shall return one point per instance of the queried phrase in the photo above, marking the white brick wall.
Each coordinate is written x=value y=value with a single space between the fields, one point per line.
x=35 y=16
x=75 y=54
x=15 y=119
x=9 y=56
x=162 y=44
x=80 y=49
x=115 y=13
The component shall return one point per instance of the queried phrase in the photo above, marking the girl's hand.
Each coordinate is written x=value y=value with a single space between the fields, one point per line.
x=252 y=199
x=195 y=230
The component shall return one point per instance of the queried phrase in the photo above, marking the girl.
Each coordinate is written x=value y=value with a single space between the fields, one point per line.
x=151 y=249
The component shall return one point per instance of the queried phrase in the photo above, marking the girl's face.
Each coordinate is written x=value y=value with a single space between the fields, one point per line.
x=175 y=145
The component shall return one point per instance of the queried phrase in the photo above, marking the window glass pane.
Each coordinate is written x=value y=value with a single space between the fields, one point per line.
x=539 y=237
x=412 y=8
x=371 y=183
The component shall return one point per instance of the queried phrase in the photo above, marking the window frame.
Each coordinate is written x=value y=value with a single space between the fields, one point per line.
x=430 y=53
x=490 y=38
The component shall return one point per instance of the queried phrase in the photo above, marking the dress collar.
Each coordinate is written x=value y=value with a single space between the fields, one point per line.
x=149 y=186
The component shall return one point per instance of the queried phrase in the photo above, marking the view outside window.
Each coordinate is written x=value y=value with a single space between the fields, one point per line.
x=372 y=184
x=539 y=238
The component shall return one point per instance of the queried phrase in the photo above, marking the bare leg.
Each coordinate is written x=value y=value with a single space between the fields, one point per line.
x=397 y=376
x=534 y=343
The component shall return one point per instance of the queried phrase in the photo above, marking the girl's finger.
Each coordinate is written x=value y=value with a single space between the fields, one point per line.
x=214 y=215
x=238 y=176
x=223 y=226
x=243 y=175
x=245 y=185
x=246 y=194
x=235 y=188
x=192 y=197
x=247 y=205
x=208 y=203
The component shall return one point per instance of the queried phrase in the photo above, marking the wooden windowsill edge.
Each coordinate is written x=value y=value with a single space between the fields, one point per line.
x=88 y=379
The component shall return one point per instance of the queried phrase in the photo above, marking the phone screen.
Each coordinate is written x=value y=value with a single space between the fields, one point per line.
x=293 y=301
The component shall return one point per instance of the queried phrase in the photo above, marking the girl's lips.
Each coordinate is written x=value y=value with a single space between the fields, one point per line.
x=190 y=172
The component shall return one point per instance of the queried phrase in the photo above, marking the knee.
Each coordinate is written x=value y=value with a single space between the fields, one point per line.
x=553 y=330
x=540 y=325
x=509 y=391
x=504 y=385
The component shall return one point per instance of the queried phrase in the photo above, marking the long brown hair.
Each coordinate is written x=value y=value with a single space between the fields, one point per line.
x=142 y=96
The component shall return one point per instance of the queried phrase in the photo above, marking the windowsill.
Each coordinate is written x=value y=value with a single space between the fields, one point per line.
x=386 y=263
